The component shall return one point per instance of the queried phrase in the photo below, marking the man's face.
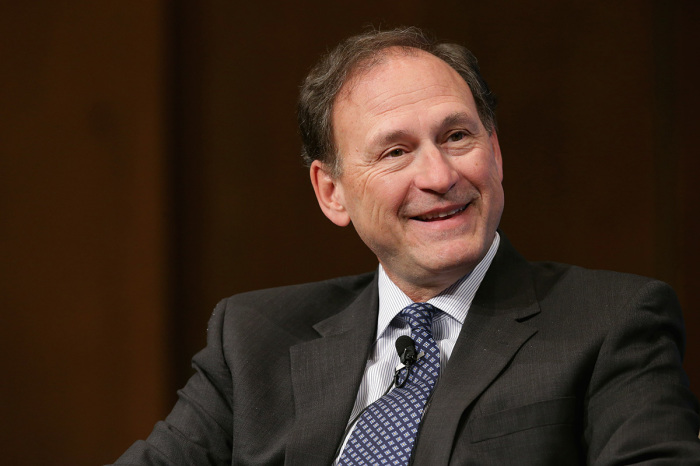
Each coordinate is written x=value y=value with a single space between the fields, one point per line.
x=420 y=175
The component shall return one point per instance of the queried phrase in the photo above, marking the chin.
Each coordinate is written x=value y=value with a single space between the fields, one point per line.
x=453 y=265
x=460 y=258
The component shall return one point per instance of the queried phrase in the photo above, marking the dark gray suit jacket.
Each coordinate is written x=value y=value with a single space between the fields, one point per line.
x=555 y=365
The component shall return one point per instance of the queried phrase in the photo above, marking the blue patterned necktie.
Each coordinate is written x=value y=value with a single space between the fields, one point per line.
x=386 y=431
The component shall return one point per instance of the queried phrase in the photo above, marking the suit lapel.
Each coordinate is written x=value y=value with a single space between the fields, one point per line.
x=326 y=374
x=490 y=338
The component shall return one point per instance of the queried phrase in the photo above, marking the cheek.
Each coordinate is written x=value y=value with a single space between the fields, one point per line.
x=388 y=193
x=482 y=172
x=381 y=194
x=392 y=194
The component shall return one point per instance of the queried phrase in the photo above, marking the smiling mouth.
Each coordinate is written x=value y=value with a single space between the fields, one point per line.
x=440 y=216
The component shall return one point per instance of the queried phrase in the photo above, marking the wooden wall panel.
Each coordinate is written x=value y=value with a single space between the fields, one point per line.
x=82 y=249
x=686 y=102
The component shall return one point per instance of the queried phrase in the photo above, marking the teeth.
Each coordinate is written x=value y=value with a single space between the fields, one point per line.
x=443 y=214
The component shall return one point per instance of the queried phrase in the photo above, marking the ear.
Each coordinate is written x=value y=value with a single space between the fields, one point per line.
x=329 y=193
x=497 y=153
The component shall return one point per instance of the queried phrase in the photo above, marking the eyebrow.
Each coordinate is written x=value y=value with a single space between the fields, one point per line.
x=453 y=119
x=390 y=137
x=458 y=119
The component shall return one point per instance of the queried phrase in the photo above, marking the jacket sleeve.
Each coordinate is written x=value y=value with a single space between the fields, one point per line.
x=639 y=409
x=199 y=428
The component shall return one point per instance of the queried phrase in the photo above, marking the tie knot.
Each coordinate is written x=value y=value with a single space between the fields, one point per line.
x=419 y=315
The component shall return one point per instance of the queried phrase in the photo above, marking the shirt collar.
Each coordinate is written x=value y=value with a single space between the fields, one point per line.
x=454 y=300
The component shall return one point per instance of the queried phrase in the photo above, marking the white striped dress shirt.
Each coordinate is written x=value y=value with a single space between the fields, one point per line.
x=453 y=303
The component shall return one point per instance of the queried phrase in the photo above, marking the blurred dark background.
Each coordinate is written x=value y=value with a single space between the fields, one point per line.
x=149 y=167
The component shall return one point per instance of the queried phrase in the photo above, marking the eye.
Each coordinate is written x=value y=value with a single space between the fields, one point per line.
x=395 y=152
x=456 y=136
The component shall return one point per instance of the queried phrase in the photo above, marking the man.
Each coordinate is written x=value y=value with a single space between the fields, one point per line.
x=514 y=362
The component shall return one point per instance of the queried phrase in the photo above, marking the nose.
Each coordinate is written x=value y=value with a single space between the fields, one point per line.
x=435 y=171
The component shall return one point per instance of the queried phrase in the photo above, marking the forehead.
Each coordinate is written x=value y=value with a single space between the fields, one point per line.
x=399 y=91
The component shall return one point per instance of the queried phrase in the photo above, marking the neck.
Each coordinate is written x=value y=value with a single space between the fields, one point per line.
x=420 y=292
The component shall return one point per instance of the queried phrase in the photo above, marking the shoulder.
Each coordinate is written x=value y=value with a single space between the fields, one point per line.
x=335 y=289
x=294 y=307
x=568 y=289
x=605 y=299
x=586 y=284
x=557 y=278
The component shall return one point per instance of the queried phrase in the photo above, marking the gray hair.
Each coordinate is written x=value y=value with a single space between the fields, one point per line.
x=359 y=54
